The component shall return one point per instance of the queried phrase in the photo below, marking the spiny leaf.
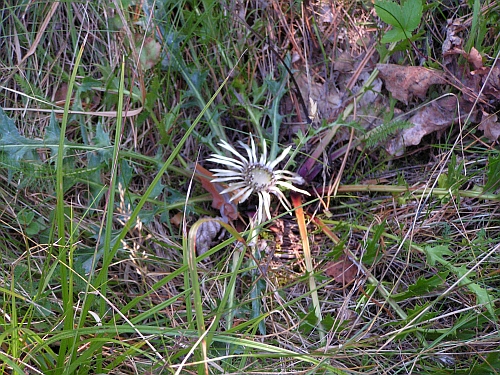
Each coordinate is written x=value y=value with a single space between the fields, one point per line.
x=422 y=286
x=52 y=134
x=413 y=312
x=437 y=254
x=12 y=142
x=18 y=147
x=482 y=295
x=102 y=141
x=493 y=181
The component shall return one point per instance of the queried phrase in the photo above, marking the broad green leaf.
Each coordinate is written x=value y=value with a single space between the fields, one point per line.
x=404 y=18
x=394 y=35
x=33 y=229
x=390 y=12
x=412 y=14
x=25 y=217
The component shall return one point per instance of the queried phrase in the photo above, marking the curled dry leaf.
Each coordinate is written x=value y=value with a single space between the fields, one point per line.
x=344 y=63
x=475 y=58
x=404 y=82
x=208 y=233
x=490 y=79
x=453 y=40
x=177 y=219
x=326 y=95
x=480 y=88
x=343 y=271
x=490 y=126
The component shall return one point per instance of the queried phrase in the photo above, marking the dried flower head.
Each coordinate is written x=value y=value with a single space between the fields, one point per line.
x=246 y=176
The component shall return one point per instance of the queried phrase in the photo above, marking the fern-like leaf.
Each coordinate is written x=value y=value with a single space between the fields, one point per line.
x=382 y=132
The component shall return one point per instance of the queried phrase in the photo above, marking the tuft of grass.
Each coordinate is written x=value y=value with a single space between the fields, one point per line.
x=106 y=107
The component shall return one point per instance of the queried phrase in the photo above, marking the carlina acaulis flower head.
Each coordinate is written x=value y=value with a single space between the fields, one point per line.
x=255 y=175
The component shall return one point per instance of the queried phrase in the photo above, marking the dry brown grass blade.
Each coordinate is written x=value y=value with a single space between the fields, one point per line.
x=301 y=222
x=133 y=49
x=316 y=220
x=39 y=35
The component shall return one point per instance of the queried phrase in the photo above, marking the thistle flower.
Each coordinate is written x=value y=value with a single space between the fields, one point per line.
x=247 y=176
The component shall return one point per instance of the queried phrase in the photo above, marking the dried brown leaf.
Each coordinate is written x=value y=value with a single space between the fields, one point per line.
x=343 y=271
x=490 y=126
x=452 y=40
x=404 y=82
x=491 y=82
x=176 y=219
x=326 y=95
x=344 y=63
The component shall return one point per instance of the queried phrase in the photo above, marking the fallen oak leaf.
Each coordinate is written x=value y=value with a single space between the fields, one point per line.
x=404 y=82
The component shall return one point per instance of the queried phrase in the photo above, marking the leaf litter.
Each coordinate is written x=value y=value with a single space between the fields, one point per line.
x=479 y=93
x=410 y=85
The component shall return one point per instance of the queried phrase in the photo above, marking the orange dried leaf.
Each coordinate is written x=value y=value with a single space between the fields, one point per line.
x=177 y=219
x=220 y=201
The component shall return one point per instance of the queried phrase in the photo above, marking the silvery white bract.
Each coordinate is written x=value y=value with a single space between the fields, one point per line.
x=247 y=176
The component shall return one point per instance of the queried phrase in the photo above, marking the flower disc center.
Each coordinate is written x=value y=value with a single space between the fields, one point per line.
x=260 y=177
